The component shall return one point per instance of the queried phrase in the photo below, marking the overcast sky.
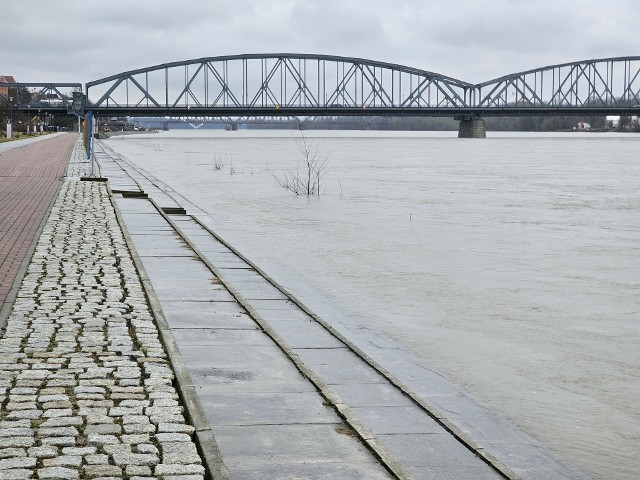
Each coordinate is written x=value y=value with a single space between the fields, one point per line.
x=473 y=40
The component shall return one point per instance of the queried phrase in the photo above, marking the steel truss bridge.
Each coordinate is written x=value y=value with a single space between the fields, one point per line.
x=298 y=85
x=41 y=97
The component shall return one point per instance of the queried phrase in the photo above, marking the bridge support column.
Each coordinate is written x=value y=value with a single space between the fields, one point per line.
x=472 y=128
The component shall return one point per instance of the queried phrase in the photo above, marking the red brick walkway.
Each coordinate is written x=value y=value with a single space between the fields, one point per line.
x=29 y=179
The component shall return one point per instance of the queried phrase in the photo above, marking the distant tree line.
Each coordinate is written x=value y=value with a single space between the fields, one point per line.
x=523 y=123
x=17 y=95
x=496 y=124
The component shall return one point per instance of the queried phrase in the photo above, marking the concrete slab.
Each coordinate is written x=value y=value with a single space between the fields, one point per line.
x=353 y=373
x=283 y=408
x=386 y=420
x=149 y=229
x=282 y=305
x=309 y=335
x=326 y=471
x=371 y=395
x=234 y=379
x=216 y=256
x=175 y=289
x=251 y=284
x=187 y=270
x=229 y=264
x=184 y=278
x=452 y=472
x=232 y=268
x=136 y=205
x=160 y=244
x=245 y=276
x=195 y=230
x=281 y=312
x=191 y=314
x=217 y=337
x=161 y=198
x=288 y=444
x=232 y=356
x=431 y=450
x=256 y=291
x=202 y=239
x=339 y=355
x=146 y=220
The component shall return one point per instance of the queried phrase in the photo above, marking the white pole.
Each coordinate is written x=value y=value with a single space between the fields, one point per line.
x=93 y=130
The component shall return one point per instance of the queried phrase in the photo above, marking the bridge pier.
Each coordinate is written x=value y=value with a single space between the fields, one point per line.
x=472 y=128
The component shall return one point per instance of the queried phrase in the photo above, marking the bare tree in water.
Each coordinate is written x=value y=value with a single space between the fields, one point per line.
x=309 y=174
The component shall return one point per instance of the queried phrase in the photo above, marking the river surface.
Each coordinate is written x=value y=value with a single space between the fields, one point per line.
x=511 y=265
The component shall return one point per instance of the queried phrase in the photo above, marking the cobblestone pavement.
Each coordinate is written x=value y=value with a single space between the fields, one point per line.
x=29 y=178
x=85 y=384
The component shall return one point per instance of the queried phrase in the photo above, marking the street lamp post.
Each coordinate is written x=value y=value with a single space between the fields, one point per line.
x=10 y=132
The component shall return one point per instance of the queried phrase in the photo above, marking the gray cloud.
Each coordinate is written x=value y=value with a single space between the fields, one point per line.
x=473 y=40
x=336 y=26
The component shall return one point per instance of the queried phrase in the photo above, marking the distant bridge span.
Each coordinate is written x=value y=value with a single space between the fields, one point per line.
x=321 y=85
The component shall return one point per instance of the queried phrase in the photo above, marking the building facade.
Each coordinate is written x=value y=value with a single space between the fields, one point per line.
x=4 y=91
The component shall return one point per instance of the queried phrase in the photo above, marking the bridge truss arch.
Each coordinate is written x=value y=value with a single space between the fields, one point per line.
x=278 y=84
x=608 y=84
